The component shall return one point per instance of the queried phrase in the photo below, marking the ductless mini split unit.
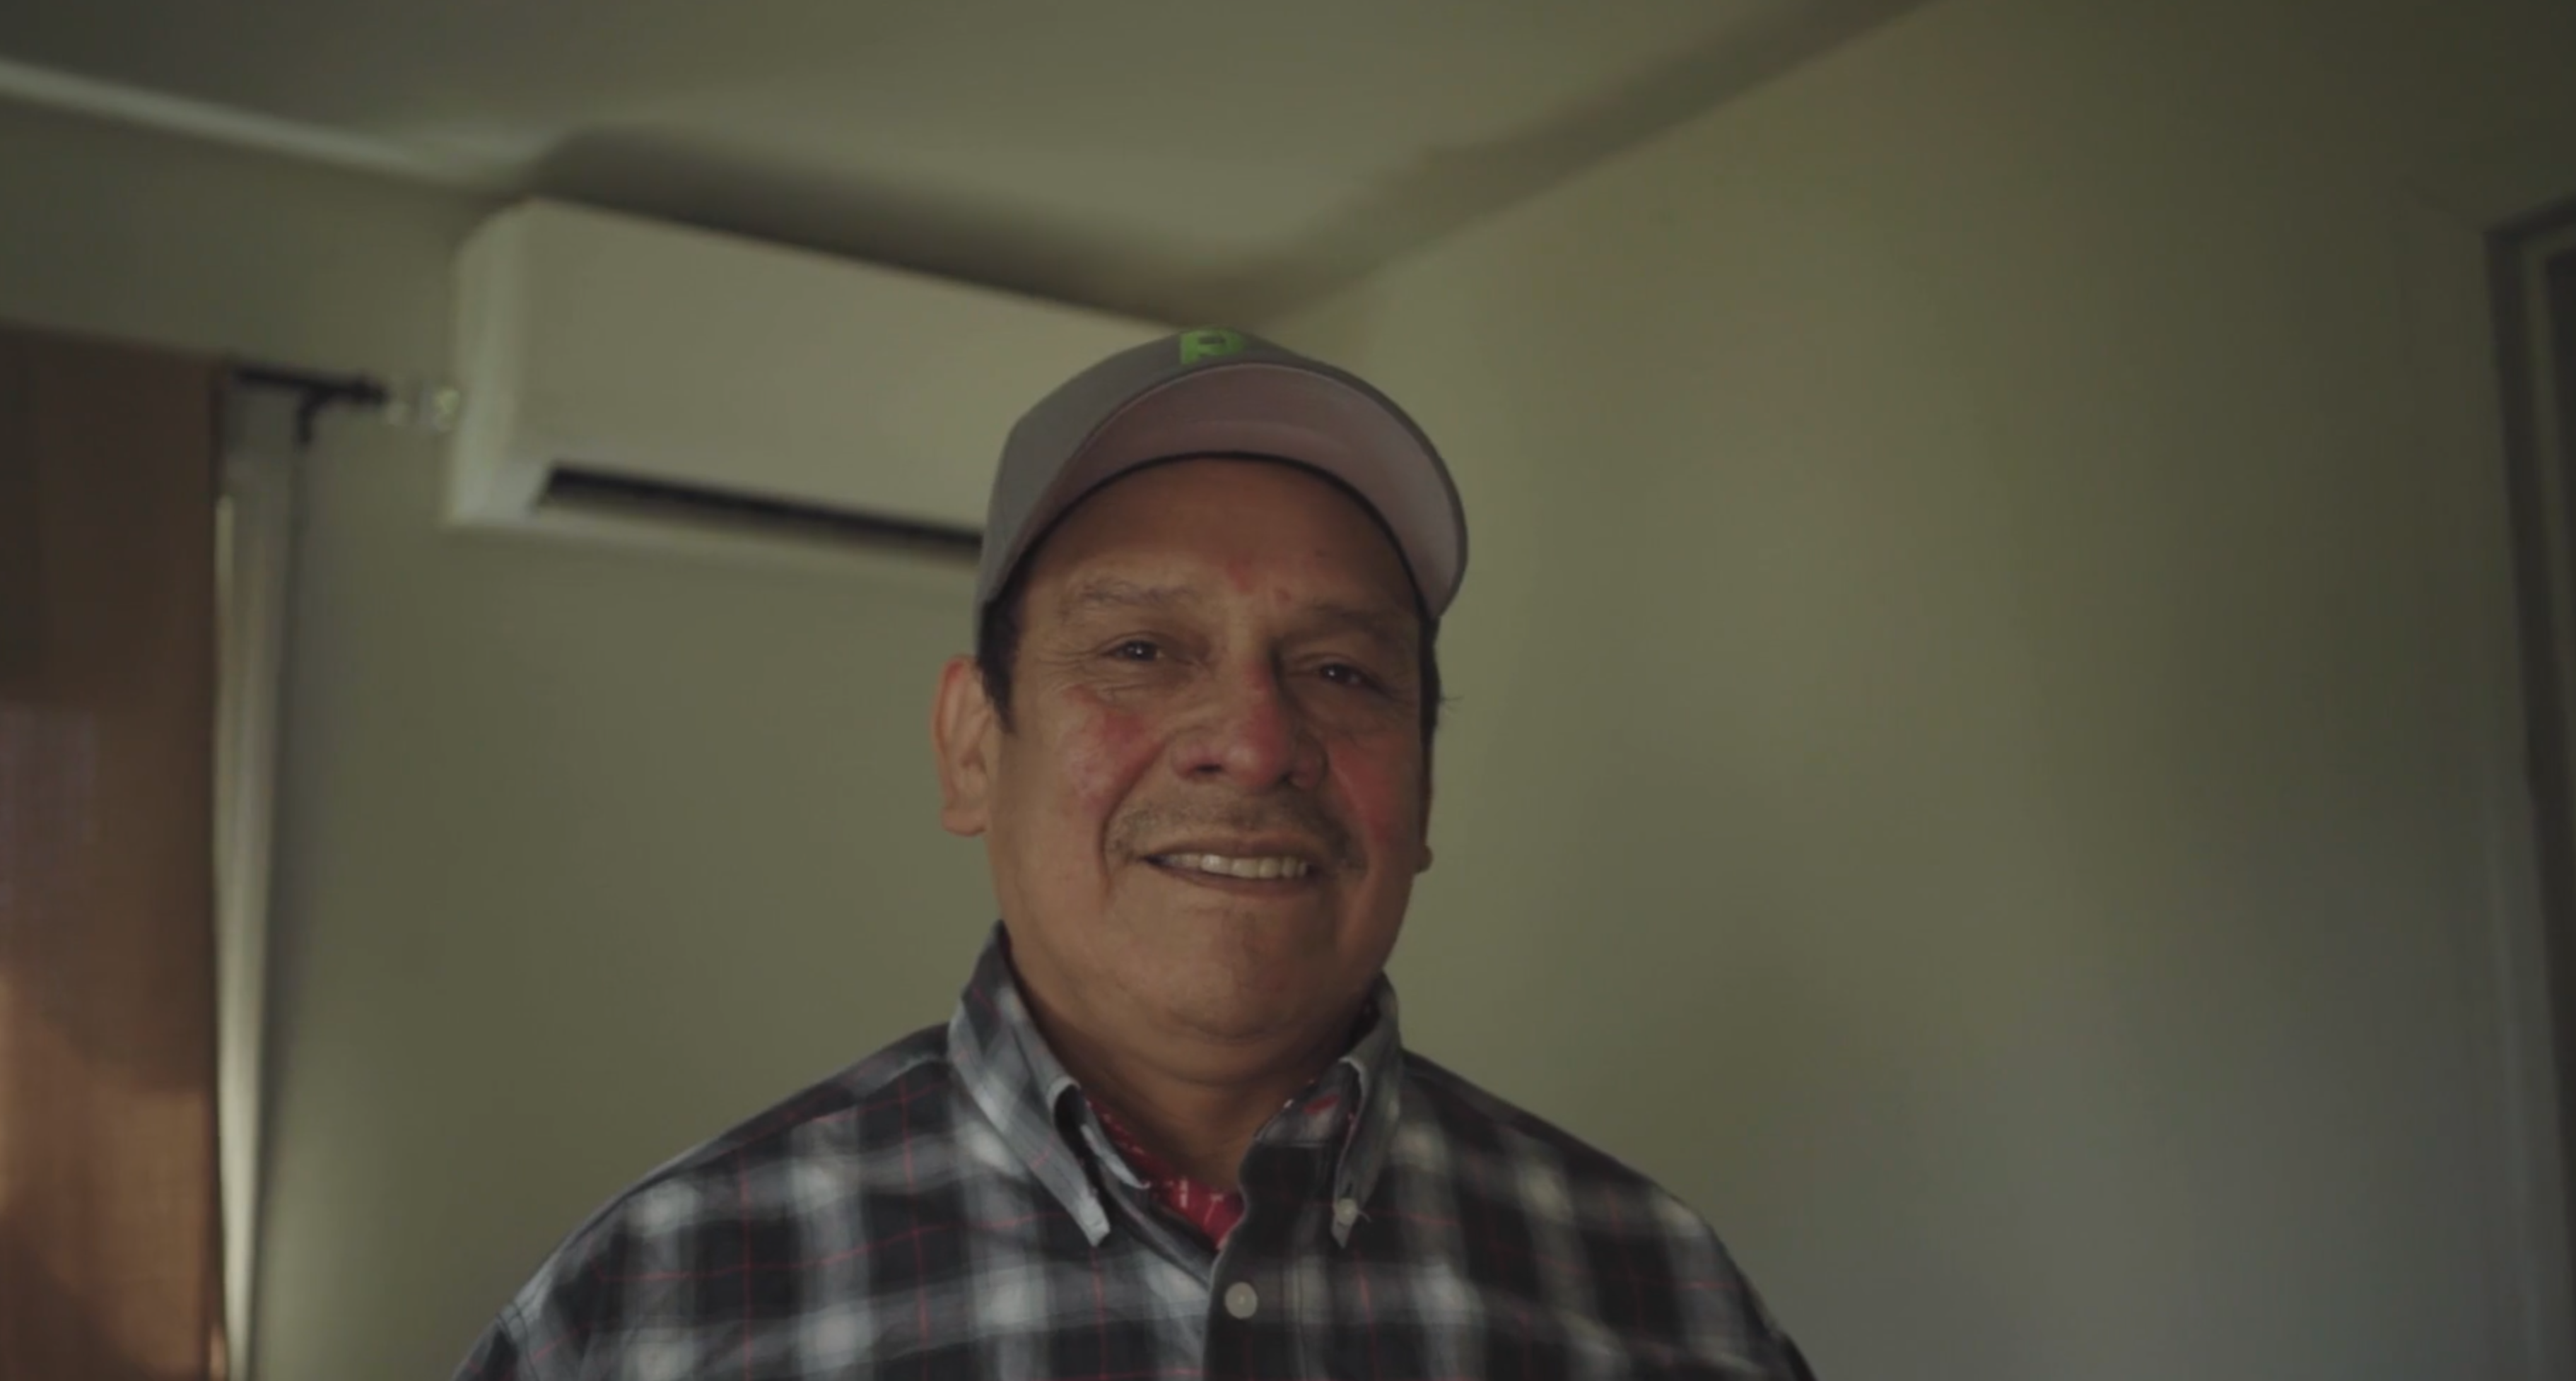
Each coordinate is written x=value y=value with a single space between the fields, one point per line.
x=636 y=382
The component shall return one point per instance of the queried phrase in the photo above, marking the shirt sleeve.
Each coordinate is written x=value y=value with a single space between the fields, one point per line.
x=1788 y=1363
x=547 y=1331
x=501 y=1354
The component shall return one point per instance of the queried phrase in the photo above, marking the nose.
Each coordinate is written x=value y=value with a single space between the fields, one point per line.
x=1252 y=736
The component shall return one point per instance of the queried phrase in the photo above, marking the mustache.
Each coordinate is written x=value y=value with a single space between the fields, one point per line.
x=1135 y=833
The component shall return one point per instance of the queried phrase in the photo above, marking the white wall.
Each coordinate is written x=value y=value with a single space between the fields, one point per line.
x=1960 y=767
x=583 y=856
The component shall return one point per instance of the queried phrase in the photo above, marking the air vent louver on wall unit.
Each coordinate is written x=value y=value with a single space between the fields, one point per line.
x=651 y=384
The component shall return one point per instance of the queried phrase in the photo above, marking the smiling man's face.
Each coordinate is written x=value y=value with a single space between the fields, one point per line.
x=1209 y=808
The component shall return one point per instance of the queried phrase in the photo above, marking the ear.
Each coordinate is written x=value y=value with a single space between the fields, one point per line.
x=1425 y=865
x=963 y=734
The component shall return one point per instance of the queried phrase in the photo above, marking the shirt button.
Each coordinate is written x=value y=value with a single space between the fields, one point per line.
x=1241 y=1299
x=1345 y=1213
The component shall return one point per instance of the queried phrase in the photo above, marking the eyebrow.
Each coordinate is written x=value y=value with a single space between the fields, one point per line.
x=1116 y=595
x=1380 y=624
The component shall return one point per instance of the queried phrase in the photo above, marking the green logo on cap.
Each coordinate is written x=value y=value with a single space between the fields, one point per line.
x=1209 y=344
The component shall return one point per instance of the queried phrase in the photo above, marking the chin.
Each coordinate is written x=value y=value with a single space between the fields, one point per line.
x=1223 y=1000
x=1238 y=1021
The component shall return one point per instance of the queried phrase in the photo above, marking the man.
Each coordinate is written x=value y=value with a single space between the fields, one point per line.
x=1172 y=1130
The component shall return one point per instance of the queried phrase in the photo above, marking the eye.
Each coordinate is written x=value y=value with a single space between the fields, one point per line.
x=1345 y=674
x=1137 y=650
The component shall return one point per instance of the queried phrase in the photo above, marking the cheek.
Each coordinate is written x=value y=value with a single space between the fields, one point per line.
x=1383 y=790
x=1103 y=750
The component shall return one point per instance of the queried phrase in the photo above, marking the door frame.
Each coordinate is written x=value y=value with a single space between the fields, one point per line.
x=2466 y=227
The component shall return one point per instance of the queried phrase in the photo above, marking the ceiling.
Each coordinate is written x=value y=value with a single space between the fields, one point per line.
x=1206 y=160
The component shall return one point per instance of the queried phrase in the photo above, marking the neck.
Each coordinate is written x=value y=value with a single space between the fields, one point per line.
x=1198 y=1108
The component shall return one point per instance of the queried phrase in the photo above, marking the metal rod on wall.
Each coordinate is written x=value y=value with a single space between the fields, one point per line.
x=313 y=391
x=436 y=405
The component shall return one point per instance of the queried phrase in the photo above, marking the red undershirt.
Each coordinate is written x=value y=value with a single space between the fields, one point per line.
x=1213 y=1211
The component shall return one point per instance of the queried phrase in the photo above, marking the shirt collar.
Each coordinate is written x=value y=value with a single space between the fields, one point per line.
x=1006 y=1067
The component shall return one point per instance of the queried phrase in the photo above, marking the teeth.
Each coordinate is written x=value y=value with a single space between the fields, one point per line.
x=1239 y=867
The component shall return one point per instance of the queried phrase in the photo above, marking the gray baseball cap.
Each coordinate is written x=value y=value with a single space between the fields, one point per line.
x=1223 y=393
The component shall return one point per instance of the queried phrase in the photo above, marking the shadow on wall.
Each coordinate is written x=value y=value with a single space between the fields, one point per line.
x=1426 y=201
x=644 y=172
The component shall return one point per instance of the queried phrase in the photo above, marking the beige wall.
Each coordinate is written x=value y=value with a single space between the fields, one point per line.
x=583 y=856
x=1959 y=766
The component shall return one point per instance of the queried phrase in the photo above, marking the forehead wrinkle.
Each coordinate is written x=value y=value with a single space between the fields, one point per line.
x=1117 y=593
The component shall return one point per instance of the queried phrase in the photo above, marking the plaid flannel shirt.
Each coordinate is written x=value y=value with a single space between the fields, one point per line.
x=951 y=1208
